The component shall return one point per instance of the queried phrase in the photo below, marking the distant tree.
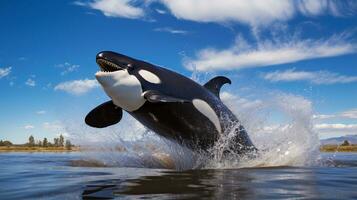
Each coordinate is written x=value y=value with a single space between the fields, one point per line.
x=56 y=142
x=68 y=145
x=31 y=141
x=61 y=141
x=345 y=143
x=5 y=143
x=39 y=143
x=45 y=142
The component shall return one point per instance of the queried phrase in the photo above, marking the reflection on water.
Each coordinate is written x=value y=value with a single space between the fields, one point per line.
x=192 y=184
x=53 y=176
x=224 y=184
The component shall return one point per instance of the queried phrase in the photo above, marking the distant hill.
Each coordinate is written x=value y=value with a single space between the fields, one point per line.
x=352 y=139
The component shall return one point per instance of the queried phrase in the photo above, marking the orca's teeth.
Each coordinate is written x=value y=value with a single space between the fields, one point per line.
x=107 y=66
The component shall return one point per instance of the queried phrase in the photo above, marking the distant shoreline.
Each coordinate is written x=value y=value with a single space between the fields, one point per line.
x=19 y=148
x=338 y=148
x=59 y=145
x=14 y=148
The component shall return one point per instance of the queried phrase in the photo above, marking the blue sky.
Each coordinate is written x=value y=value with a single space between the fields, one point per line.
x=48 y=48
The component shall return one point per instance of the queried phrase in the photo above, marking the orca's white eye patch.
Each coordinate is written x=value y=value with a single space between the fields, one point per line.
x=204 y=108
x=149 y=76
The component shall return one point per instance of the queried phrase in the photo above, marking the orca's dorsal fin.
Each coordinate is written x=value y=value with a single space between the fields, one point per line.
x=154 y=96
x=214 y=85
x=104 y=115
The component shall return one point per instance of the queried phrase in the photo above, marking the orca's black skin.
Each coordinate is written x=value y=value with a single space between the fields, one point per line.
x=169 y=110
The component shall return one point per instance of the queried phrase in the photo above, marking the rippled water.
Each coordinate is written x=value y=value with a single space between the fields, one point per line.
x=64 y=176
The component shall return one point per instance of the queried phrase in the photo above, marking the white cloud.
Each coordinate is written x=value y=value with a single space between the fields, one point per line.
x=171 y=30
x=317 y=77
x=254 y=12
x=289 y=75
x=4 y=72
x=41 y=112
x=29 y=126
x=235 y=102
x=265 y=53
x=324 y=130
x=319 y=7
x=79 y=3
x=348 y=114
x=323 y=116
x=162 y=12
x=117 y=8
x=351 y=114
x=67 y=68
x=77 y=87
x=30 y=82
x=312 y=7
x=343 y=129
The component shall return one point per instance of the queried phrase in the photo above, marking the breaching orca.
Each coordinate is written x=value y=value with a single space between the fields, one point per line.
x=166 y=102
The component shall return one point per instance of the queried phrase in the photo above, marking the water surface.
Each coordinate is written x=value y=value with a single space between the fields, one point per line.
x=56 y=176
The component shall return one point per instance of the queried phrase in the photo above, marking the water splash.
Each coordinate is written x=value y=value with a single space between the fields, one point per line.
x=280 y=126
x=129 y=144
x=291 y=142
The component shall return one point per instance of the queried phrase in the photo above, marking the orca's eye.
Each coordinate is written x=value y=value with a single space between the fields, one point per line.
x=130 y=67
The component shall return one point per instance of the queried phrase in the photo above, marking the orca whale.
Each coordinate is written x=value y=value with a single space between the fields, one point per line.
x=167 y=103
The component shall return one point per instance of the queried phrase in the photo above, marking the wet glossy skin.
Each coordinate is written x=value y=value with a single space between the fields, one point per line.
x=180 y=121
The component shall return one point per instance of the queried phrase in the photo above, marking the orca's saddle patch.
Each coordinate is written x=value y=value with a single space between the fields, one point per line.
x=156 y=97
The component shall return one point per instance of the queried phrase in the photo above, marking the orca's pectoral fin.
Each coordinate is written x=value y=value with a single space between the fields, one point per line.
x=156 y=97
x=104 y=115
x=214 y=85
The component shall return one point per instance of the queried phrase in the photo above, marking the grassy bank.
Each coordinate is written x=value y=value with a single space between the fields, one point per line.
x=19 y=148
x=338 y=148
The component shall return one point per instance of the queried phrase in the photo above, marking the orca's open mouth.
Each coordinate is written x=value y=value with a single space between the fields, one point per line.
x=107 y=66
x=109 y=61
